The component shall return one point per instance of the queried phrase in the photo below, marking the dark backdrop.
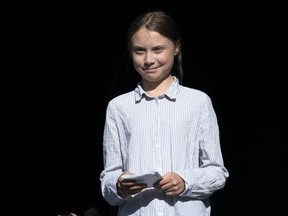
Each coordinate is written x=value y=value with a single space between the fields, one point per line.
x=64 y=60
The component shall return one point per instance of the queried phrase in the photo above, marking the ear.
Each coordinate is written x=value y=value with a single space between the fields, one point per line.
x=176 y=51
x=177 y=48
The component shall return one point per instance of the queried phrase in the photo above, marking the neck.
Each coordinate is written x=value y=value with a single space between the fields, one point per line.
x=157 y=88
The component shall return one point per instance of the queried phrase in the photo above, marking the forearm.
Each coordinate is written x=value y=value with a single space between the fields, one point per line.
x=201 y=183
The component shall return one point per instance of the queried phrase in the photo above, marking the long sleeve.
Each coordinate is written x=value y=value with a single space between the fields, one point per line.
x=210 y=175
x=112 y=159
x=176 y=132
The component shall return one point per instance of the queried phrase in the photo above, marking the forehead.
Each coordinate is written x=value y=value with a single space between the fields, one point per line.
x=145 y=37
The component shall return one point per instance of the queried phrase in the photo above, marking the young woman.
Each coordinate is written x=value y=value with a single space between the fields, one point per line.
x=161 y=126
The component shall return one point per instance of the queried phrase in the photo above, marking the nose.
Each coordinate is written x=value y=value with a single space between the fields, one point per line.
x=149 y=59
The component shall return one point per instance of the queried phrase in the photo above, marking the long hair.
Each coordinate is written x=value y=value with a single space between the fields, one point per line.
x=161 y=22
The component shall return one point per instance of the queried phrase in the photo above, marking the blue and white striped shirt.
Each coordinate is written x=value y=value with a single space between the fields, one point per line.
x=176 y=132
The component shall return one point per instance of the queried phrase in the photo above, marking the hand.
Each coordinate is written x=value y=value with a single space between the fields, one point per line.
x=129 y=187
x=171 y=183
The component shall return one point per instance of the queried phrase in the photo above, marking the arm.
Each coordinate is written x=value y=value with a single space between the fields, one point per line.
x=113 y=167
x=211 y=175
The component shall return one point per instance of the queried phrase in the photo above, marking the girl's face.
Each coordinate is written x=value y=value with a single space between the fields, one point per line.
x=152 y=55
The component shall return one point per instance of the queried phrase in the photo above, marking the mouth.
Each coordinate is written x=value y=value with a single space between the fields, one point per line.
x=149 y=70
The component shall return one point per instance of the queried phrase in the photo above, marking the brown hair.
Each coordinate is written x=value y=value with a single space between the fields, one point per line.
x=161 y=22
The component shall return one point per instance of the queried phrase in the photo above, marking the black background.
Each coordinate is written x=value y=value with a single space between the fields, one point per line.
x=64 y=60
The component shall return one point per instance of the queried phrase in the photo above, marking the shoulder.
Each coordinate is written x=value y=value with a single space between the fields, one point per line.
x=122 y=100
x=193 y=94
x=196 y=100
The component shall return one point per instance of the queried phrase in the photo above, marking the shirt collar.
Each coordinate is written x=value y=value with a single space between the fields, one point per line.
x=171 y=93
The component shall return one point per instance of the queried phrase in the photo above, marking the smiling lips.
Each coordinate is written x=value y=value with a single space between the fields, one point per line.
x=150 y=70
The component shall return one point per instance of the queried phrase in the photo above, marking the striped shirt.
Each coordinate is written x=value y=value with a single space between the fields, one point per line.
x=176 y=132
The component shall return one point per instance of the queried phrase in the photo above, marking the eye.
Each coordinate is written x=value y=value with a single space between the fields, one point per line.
x=158 y=49
x=138 y=50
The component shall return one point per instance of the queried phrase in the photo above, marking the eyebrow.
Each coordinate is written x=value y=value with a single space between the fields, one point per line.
x=143 y=47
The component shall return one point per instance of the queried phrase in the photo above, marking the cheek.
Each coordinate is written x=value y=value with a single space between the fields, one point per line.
x=137 y=64
x=137 y=60
x=166 y=59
